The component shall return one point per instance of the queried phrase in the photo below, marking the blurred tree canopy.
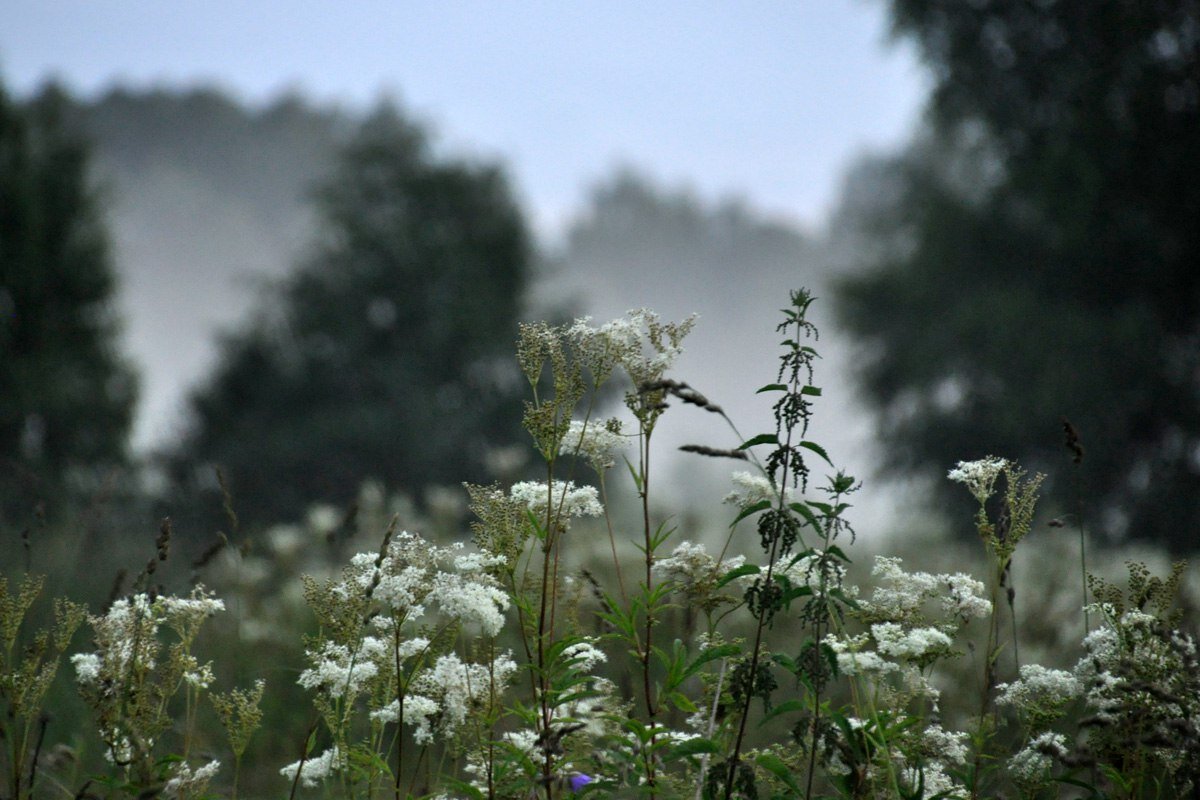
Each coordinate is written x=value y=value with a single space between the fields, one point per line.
x=1036 y=255
x=66 y=395
x=388 y=354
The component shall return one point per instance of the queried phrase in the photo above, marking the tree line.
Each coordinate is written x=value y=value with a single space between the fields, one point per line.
x=1024 y=272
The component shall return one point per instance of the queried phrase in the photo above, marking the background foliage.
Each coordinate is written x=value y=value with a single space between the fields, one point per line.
x=1036 y=254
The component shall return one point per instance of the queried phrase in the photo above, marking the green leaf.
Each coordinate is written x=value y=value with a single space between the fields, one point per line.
x=737 y=572
x=692 y=747
x=816 y=448
x=707 y=655
x=761 y=505
x=682 y=702
x=811 y=391
x=834 y=550
x=774 y=765
x=803 y=510
x=773 y=387
x=786 y=707
x=762 y=438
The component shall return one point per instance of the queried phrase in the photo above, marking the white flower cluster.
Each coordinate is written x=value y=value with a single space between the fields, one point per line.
x=691 y=565
x=415 y=574
x=314 y=770
x=340 y=672
x=853 y=657
x=807 y=571
x=1039 y=688
x=191 y=782
x=584 y=654
x=915 y=644
x=127 y=639
x=979 y=476
x=568 y=499
x=443 y=696
x=751 y=489
x=1030 y=766
x=640 y=342
x=596 y=442
x=1129 y=648
x=900 y=595
x=936 y=782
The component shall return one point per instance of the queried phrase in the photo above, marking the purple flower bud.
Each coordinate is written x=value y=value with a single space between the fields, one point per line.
x=579 y=781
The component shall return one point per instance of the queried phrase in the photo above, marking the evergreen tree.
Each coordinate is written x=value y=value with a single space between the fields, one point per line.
x=1041 y=255
x=66 y=395
x=387 y=355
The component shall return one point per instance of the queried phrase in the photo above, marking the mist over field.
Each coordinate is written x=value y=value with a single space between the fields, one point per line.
x=209 y=202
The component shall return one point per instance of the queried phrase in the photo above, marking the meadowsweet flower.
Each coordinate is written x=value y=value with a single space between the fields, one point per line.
x=899 y=594
x=471 y=600
x=457 y=688
x=585 y=654
x=338 y=672
x=87 y=667
x=937 y=783
x=419 y=711
x=568 y=499
x=200 y=676
x=978 y=476
x=1031 y=765
x=691 y=563
x=189 y=781
x=965 y=597
x=916 y=644
x=950 y=746
x=811 y=570
x=596 y=442
x=749 y=489
x=1039 y=688
x=853 y=659
x=314 y=770
x=195 y=606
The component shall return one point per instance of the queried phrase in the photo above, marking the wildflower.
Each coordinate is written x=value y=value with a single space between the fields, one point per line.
x=951 y=746
x=191 y=782
x=338 y=672
x=965 y=598
x=750 y=489
x=200 y=676
x=594 y=441
x=578 y=781
x=455 y=688
x=853 y=660
x=87 y=667
x=1039 y=688
x=568 y=499
x=1031 y=765
x=585 y=655
x=471 y=600
x=937 y=783
x=978 y=476
x=314 y=770
x=916 y=644
x=816 y=568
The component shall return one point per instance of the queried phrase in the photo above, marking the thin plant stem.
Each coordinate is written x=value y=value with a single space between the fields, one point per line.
x=651 y=705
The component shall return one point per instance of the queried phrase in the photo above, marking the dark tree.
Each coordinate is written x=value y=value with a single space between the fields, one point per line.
x=66 y=395
x=1042 y=254
x=388 y=354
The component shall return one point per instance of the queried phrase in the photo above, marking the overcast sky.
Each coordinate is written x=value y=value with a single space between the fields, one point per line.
x=767 y=101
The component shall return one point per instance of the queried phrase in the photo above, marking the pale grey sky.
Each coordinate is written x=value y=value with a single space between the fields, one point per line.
x=768 y=101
